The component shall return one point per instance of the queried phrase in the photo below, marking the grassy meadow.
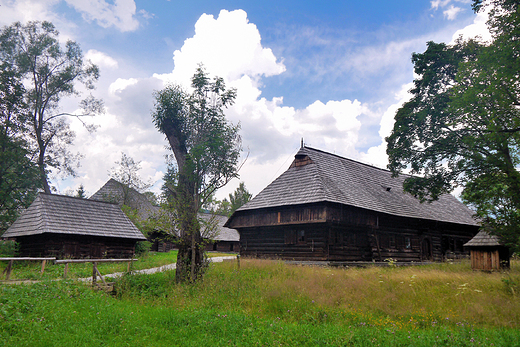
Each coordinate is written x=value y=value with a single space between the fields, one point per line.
x=269 y=303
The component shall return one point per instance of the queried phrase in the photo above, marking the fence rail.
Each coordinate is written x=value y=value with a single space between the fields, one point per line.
x=95 y=271
x=7 y=270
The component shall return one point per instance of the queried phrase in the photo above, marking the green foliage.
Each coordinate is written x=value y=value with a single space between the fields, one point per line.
x=142 y=247
x=206 y=149
x=51 y=71
x=236 y=199
x=127 y=173
x=8 y=248
x=19 y=177
x=462 y=125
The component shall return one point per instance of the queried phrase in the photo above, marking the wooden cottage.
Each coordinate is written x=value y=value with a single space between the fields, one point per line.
x=222 y=239
x=487 y=253
x=67 y=227
x=329 y=208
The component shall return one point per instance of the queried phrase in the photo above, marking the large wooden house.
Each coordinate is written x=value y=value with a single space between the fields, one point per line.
x=67 y=227
x=329 y=208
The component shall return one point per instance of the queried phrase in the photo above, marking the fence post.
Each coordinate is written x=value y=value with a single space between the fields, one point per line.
x=94 y=273
x=43 y=266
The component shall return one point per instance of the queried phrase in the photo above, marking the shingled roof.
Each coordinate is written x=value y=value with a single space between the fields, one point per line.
x=114 y=191
x=483 y=239
x=58 y=214
x=222 y=233
x=326 y=177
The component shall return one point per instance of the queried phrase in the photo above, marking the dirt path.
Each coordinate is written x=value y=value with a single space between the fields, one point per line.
x=160 y=268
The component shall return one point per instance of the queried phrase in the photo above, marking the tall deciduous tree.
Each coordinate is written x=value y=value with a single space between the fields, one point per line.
x=19 y=179
x=462 y=125
x=50 y=73
x=206 y=149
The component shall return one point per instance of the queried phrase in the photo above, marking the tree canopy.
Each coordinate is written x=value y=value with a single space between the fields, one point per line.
x=206 y=148
x=50 y=72
x=19 y=177
x=461 y=127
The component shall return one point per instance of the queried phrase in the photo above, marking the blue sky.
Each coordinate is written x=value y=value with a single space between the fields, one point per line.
x=332 y=72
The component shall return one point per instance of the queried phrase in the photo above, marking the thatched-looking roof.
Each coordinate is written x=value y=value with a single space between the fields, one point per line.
x=116 y=192
x=222 y=233
x=317 y=176
x=58 y=214
x=483 y=239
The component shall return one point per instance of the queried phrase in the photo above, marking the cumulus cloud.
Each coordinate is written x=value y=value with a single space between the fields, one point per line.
x=120 y=13
x=477 y=29
x=228 y=46
x=377 y=155
x=101 y=59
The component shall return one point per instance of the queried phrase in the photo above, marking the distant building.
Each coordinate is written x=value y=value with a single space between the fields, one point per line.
x=67 y=227
x=221 y=239
x=329 y=208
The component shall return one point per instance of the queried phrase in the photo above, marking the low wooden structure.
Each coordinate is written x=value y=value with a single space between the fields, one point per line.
x=95 y=271
x=221 y=238
x=66 y=227
x=329 y=208
x=487 y=253
x=7 y=270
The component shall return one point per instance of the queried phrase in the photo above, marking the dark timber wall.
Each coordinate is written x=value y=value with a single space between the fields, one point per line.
x=75 y=246
x=334 y=232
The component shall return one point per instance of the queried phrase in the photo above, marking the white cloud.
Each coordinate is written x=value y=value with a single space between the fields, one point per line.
x=120 y=14
x=228 y=46
x=377 y=155
x=477 y=29
x=439 y=3
x=26 y=10
x=452 y=12
x=101 y=59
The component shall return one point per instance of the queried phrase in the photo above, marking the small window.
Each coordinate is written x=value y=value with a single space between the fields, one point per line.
x=301 y=236
x=407 y=242
x=290 y=237
x=391 y=241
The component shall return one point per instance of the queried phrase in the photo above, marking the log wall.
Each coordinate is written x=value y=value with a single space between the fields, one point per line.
x=75 y=246
x=334 y=232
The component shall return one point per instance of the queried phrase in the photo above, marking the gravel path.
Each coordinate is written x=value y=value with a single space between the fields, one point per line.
x=160 y=268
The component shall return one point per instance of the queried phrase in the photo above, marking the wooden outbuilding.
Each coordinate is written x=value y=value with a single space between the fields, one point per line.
x=488 y=253
x=329 y=208
x=68 y=227
x=220 y=238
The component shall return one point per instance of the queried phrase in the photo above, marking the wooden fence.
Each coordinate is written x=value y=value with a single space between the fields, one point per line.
x=95 y=271
x=9 y=267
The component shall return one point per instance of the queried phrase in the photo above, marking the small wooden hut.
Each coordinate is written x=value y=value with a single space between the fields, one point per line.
x=67 y=227
x=487 y=253
x=222 y=239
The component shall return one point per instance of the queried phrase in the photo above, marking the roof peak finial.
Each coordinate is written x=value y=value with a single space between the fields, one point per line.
x=302 y=144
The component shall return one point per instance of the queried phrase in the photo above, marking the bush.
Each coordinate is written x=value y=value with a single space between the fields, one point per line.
x=8 y=248
x=142 y=247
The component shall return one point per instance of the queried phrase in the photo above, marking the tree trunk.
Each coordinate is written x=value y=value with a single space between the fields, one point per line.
x=190 y=259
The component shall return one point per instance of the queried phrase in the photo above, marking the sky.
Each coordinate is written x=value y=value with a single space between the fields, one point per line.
x=332 y=73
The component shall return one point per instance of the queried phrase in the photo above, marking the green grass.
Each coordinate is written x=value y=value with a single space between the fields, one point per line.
x=30 y=270
x=268 y=303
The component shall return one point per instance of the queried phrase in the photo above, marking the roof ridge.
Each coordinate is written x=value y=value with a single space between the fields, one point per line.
x=351 y=160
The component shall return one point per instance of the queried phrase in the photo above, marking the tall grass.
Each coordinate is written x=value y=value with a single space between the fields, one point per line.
x=269 y=303
x=414 y=297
